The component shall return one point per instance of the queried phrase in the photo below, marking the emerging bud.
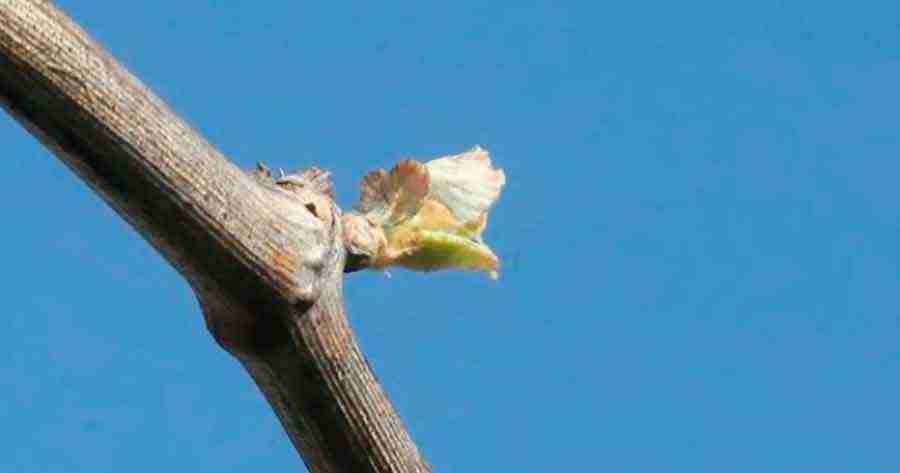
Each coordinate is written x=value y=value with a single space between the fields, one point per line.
x=427 y=216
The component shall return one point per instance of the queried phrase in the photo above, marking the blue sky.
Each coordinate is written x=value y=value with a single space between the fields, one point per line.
x=699 y=234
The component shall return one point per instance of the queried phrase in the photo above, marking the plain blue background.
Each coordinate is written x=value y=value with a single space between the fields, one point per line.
x=699 y=235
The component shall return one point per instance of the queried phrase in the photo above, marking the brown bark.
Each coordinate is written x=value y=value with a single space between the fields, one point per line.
x=265 y=260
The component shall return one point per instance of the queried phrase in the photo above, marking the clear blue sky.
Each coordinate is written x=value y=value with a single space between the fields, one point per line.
x=699 y=234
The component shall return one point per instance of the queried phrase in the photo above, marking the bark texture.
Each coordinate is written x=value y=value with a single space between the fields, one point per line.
x=265 y=259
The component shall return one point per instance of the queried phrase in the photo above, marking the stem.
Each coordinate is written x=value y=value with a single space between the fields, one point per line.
x=265 y=262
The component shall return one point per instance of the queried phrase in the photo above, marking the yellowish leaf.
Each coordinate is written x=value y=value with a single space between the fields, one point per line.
x=428 y=216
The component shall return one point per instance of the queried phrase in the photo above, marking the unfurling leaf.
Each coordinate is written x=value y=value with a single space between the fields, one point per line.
x=427 y=216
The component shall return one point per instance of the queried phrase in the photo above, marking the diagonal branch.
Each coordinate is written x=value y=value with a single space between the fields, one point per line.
x=265 y=260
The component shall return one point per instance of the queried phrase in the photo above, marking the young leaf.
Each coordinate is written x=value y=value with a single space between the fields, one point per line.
x=427 y=216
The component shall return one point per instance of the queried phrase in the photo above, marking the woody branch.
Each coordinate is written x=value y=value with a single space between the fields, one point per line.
x=264 y=260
